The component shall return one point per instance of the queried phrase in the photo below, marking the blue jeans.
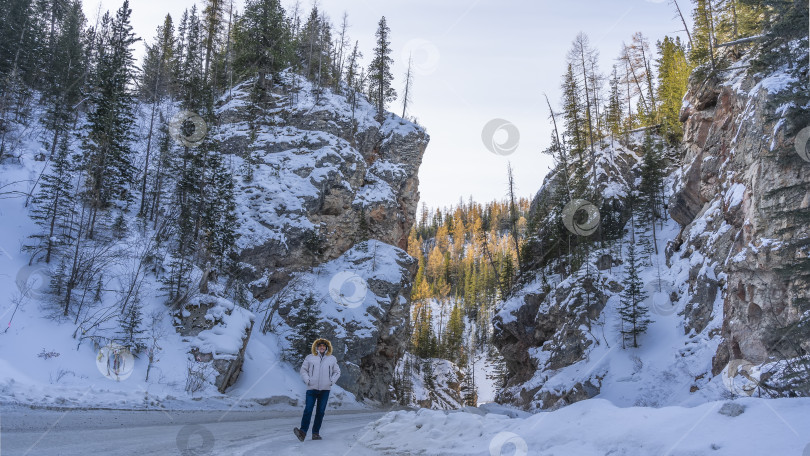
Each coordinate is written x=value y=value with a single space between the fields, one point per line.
x=314 y=395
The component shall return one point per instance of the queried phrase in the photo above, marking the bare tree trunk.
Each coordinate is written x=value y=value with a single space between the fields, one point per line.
x=588 y=111
x=708 y=16
x=142 y=210
x=72 y=280
x=563 y=157
x=683 y=20
x=513 y=215
x=406 y=95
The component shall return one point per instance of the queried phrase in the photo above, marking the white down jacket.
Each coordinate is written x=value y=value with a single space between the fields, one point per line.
x=320 y=372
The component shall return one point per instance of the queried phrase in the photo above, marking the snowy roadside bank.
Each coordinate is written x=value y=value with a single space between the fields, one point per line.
x=597 y=427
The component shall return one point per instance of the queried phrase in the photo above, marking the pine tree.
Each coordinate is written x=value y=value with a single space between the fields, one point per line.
x=22 y=49
x=187 y=203
x=583 y=58
x=219 y=215
x=574 y=128
x=212 y=19
x=424 y=340
x=107 y=135
x=354 y=79
x=156 y=80
x=652 y=183
x=405 y=392
x=632 y=311
x=507 y=275
x=192 y=87
x=428 y=374
x=63 y=86
x=341 y=45
x=156 y=83
x=380 y=89
x=159 y=172
x=702 y=33
x=673 y=76
x=262 y=42
x=130 y=330
x=638 y=77
x=468 y=388
x=306 y=329
x=54 y=205
x=454 y=336
x=314 y=49
x=615 y=107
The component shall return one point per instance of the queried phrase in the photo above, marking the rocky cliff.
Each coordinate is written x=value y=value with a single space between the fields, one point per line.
x=743 y=200
x=548 y=324
x=318 y=174
x=732 y=277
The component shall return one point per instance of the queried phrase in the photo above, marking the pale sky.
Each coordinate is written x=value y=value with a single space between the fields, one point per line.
x=475 y=61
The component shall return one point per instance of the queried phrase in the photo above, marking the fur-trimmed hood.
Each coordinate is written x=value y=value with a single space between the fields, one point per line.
x=318 y=342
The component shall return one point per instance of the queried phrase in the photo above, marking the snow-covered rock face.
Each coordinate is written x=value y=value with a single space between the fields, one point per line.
x=318 y=174
x=431 y=383
x=543 y=327
x=731 y=269
x=366 y=321
x=744 y=202
x=325 y=175
x=616 y=172
x=218 y=332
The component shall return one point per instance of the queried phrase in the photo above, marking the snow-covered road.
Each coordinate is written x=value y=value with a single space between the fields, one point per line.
x=114 y=432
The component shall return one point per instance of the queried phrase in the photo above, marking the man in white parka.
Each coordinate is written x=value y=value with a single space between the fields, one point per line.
x=320 y=371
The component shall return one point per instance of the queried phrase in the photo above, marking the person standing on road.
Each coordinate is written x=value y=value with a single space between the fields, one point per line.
x=320 y=371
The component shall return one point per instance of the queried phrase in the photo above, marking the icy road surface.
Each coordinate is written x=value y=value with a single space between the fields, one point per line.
x=30 y=432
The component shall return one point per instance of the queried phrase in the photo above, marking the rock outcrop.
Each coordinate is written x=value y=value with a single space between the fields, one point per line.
x=739 y=267
x=363 y=302
x=218 y=332
x=743 y=200
x=430 y=383
x=319 y=173
x=545 y=327
x=541 y=331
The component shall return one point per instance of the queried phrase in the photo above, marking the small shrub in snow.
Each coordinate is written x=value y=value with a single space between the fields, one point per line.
x=198 y=376
x=47 y=354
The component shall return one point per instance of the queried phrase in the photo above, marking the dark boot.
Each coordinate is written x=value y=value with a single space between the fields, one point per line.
x=316 y=437
x=300 y=434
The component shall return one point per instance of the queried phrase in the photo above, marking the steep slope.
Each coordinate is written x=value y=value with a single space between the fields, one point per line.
x=319 y=175
x=324 y=175
x=726 y=287
x=743 y=200
x=325 y=196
